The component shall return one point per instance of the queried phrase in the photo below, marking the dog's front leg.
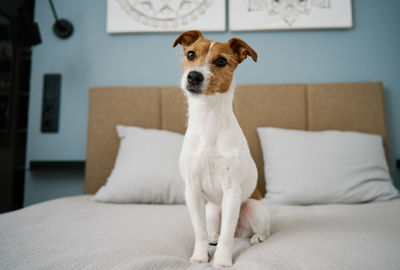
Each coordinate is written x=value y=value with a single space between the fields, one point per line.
x=230 y=214
x=196 y=206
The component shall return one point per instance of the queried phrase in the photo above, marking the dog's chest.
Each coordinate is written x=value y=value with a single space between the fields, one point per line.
x=209 y=170
x=208 y=162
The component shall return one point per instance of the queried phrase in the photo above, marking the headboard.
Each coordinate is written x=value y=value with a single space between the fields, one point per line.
x=341 y=106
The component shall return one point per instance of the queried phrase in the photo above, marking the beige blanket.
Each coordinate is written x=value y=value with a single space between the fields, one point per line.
x=76 y=233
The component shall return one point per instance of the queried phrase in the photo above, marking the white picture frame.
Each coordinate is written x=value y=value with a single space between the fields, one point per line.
x=130 y=16
x=252 y=15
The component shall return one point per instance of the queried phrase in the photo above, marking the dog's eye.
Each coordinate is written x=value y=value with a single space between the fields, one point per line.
x=191 y=55
x=220 y=62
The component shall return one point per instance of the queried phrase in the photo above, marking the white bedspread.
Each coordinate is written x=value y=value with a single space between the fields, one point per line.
x=76 y=233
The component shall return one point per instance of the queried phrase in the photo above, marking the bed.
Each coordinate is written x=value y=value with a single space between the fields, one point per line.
x=78 y=233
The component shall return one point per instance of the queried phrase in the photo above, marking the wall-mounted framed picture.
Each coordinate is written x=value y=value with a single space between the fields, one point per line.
x=130 y=16
x=248 y=15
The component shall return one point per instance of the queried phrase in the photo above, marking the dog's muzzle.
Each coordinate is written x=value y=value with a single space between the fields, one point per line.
x=194 y=81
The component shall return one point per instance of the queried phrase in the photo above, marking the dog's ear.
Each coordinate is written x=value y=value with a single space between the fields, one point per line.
x=241 y=50
x=187 y=38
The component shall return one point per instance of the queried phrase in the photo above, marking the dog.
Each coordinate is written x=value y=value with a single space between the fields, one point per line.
x=215 y=162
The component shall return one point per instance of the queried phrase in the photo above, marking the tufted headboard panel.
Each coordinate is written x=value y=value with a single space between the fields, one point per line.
x=341 y=106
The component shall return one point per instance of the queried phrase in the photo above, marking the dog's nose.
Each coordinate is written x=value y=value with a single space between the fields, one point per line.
x=195 y=78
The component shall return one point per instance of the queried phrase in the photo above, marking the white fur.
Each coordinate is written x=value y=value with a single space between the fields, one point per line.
x=217 y=167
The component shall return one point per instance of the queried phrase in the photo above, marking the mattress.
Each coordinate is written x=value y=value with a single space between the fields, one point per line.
x=77 y=233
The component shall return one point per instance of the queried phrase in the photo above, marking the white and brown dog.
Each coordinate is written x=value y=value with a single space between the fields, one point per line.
x=215 y=162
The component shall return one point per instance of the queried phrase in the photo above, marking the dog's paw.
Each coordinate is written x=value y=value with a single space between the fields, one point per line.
x=200 y=256
x=257 y=238
x=198 y=260
x=222 y=258
x=213 y=239
x=220 y=262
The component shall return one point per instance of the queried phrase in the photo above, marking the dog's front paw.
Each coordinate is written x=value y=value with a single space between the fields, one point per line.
x=222 y=258
x=200 y=253
x=199 y=259
x=220 y=262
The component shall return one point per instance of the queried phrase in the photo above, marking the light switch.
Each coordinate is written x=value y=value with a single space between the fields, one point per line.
x=51 y=102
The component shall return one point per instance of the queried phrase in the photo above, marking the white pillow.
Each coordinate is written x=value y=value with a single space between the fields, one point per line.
x=319 y=167
x=146 y=169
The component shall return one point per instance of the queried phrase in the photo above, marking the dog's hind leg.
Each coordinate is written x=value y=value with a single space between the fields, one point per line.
x=253 y=221
x=213 y=218
x=259 y=223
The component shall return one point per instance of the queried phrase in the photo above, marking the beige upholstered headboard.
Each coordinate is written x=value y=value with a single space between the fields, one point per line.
x=341 y=106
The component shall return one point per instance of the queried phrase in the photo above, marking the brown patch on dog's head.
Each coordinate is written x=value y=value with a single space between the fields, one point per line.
x=216 y=61
x=241 y=50
x=193 y=41
x=187 y=38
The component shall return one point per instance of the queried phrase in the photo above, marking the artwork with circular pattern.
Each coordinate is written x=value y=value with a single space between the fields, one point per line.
x=165 y=15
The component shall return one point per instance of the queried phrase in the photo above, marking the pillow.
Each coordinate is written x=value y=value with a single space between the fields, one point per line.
x=146 y=169
x=321 y=167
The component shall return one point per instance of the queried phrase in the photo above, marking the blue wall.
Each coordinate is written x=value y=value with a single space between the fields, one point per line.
x=370 y=51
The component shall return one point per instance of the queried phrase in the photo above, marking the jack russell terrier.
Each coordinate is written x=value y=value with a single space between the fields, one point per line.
x=219 y=172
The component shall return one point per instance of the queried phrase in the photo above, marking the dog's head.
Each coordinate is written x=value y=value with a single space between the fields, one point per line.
x=208 y=66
